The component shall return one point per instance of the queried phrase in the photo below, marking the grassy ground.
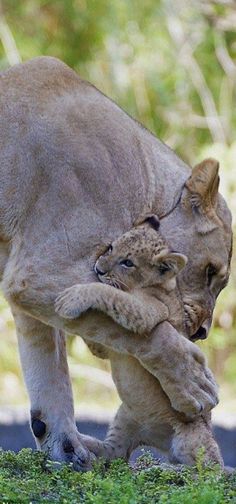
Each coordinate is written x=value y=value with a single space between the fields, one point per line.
x=28 y=477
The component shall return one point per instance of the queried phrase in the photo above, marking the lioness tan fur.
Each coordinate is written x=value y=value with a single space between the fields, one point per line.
x=141 y=263
x=76 y=172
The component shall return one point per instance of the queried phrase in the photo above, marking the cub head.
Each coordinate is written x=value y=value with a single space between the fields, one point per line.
x=140 y=258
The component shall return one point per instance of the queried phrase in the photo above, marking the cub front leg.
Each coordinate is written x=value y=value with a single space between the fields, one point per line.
x=44 y=363
x=132 y=313
x=123 y=436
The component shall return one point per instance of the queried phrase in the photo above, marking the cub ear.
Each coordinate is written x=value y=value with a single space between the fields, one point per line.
x=202 y=189
x=172 y=263
x=152 y=219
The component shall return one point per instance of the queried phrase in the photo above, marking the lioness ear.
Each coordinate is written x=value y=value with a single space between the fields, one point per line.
x=202 y=190
x=203 y=184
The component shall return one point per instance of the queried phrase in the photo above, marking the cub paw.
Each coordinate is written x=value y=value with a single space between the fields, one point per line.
x=69 y=303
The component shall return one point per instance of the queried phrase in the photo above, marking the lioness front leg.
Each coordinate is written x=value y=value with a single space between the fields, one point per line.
x=168 y=356
x=138 y=315
x=43 y=358
x=198 y=394
x=178 y=364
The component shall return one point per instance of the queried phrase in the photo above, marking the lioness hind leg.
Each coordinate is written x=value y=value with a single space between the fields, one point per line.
x=190 y=439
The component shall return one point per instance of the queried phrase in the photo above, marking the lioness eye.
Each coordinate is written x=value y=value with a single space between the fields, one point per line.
x=163 y=268
x=127 y=263
x=211 y=271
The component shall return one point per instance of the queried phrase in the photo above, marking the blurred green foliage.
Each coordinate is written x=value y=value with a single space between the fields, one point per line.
x=172 y=65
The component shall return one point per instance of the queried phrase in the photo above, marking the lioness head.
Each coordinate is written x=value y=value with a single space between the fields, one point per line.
x=200 y=228
x=140 y=258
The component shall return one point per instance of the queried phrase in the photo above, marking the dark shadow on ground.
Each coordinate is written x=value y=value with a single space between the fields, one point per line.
x=17 y=436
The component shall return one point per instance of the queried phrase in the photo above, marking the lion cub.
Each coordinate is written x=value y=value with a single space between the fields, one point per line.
x=139 y=265
x=138 y=275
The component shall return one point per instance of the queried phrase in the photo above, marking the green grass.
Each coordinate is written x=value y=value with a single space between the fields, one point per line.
x=28 y=477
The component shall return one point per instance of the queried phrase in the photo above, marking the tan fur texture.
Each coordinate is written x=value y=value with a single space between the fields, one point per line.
x=141 y=262
x=77 y=172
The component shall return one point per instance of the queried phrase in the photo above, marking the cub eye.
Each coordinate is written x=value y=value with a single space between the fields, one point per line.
x=109 y=249
x=127 y=263
x=211 y=271
x=163 y=268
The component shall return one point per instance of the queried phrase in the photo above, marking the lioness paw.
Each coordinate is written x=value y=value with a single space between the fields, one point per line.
x=67 y=447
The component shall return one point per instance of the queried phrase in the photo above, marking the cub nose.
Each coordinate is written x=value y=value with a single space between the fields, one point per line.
x=98 y=271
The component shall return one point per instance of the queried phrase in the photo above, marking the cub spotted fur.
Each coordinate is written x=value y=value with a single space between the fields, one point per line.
x=138 y=275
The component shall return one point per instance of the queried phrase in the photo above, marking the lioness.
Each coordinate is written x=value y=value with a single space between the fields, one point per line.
x=76 y=172
x=143 y=269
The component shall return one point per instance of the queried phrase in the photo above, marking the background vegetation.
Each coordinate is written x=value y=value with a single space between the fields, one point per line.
x=172 y=65
x=28 y=478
